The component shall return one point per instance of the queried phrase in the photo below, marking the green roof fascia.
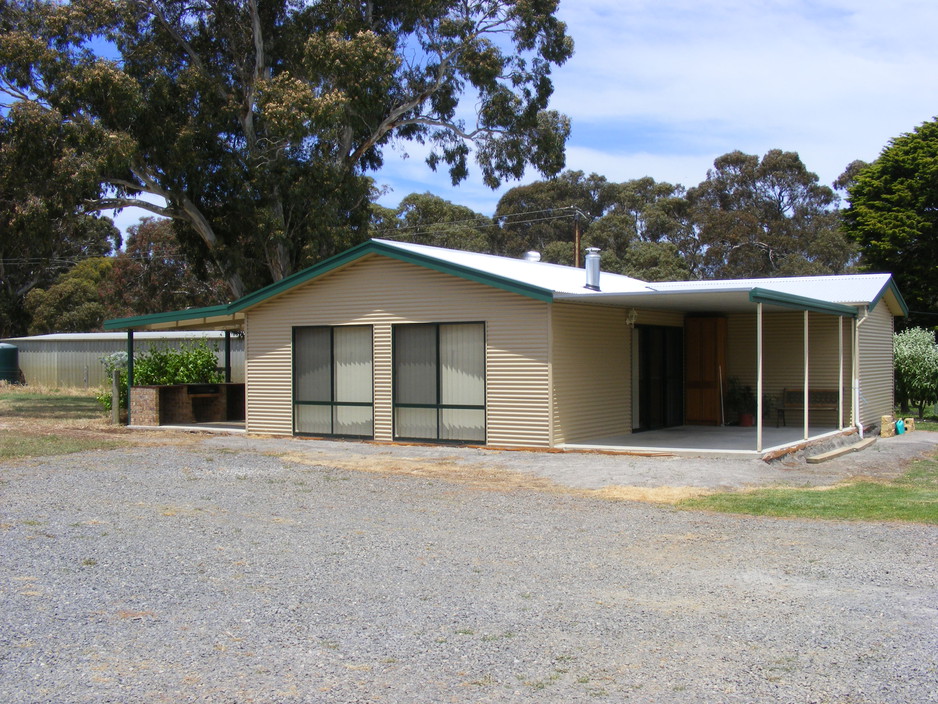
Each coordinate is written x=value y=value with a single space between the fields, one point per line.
x=372 y=247
x=790 y=300
x=891 y=287
x=247 y=300
x=324 y=267
x=167 y=317
x=312 y=272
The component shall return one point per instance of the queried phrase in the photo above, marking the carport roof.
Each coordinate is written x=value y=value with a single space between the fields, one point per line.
x=837 y=295
x=727 y=300
x=849 y=289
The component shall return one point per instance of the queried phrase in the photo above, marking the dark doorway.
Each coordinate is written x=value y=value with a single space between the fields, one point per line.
x=660 y=377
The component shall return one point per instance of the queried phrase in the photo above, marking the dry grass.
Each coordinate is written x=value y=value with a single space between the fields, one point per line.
x=38 y=420
x=655 y=494
x=43 y=390
x=447 y=469
x=483 y=478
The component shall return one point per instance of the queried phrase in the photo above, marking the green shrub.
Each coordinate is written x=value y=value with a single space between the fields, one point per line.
x=114 y=362
x=193 y=363
x=916 y=360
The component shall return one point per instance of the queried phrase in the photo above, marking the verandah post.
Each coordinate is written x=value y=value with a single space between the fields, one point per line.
x=130 y=369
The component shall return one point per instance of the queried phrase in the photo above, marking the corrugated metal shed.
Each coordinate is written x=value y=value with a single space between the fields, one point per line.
x=74 y=359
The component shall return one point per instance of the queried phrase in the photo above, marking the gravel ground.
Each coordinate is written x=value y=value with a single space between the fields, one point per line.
x=585 y=470
x=227 y=570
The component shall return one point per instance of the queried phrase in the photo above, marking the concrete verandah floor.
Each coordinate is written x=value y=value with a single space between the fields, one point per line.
x=699 y=440
x=687 y=440
x=220 y=426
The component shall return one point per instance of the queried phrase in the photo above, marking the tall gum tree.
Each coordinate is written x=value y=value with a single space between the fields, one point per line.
x=767 y=217
x=43 y=173
x=256 y=122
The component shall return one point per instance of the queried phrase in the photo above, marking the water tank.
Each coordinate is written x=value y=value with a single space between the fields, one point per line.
x=9 y=363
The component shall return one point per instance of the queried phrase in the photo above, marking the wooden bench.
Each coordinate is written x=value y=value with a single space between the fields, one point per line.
x=818 y=400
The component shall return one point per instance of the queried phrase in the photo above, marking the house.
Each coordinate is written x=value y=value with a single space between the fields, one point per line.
x=403 y=342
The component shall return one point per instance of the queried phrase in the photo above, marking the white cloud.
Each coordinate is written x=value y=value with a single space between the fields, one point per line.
x=804 y=76
x=663 y=87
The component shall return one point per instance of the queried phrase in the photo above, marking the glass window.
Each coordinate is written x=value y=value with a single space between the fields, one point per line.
x=439 y=382
x=333 y=381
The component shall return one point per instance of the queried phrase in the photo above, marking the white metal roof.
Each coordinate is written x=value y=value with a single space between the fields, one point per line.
x=551 y=277
x=846 y=288
x=839 y=295
x=569 y=282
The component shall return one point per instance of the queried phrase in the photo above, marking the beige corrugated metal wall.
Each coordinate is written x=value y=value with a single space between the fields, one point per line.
x=591 y=371
x=77 y=362
x=876 y=366
x=667 y=318
x=783 y=358
x=380 y=292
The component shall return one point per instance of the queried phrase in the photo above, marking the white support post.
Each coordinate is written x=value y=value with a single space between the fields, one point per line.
x=855 y=393
x=806 y=395
x=759 y=408
x=840 y=375
x=854 y=376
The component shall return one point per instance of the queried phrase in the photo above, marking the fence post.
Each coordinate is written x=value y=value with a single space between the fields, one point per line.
x=116 y=397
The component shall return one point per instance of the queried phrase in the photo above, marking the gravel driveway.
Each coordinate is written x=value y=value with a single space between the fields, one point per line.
x=230 y=570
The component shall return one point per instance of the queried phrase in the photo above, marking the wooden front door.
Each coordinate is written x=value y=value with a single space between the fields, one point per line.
x=704 y=369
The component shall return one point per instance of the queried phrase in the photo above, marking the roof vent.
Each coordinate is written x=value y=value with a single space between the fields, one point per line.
x=592 y=268
x=532 y=256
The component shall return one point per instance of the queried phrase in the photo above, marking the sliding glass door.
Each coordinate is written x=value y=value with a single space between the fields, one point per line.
x=333 y=381
x=439 y=382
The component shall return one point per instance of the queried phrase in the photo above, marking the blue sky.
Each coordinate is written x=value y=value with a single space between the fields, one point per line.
x=661 y=88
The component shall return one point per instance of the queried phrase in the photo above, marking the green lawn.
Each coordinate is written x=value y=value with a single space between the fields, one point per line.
x=911 y=497
x=929 y=422
x=14 y=444
x=49 y=423
x=49 y=406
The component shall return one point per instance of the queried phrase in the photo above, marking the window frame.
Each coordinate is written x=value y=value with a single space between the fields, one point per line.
x=439 y=406
x=332 y=403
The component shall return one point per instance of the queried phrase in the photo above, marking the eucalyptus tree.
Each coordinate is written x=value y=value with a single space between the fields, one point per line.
x=43 y=173
x=254 y=124
x=646 y=231
x=73 y=303
x=151 y=274
x=544 y=215
x=424 y=218
x=767 y=217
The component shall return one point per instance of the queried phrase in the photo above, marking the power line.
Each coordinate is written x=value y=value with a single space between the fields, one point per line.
x=433 y=229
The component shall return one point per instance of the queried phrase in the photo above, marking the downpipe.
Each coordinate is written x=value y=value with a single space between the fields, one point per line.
x=856 y=369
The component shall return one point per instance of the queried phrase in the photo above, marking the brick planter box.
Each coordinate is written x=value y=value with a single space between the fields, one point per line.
x=186 y=404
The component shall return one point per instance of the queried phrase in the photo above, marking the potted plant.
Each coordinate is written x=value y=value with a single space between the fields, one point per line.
x=768 y=406
x=742 y=401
